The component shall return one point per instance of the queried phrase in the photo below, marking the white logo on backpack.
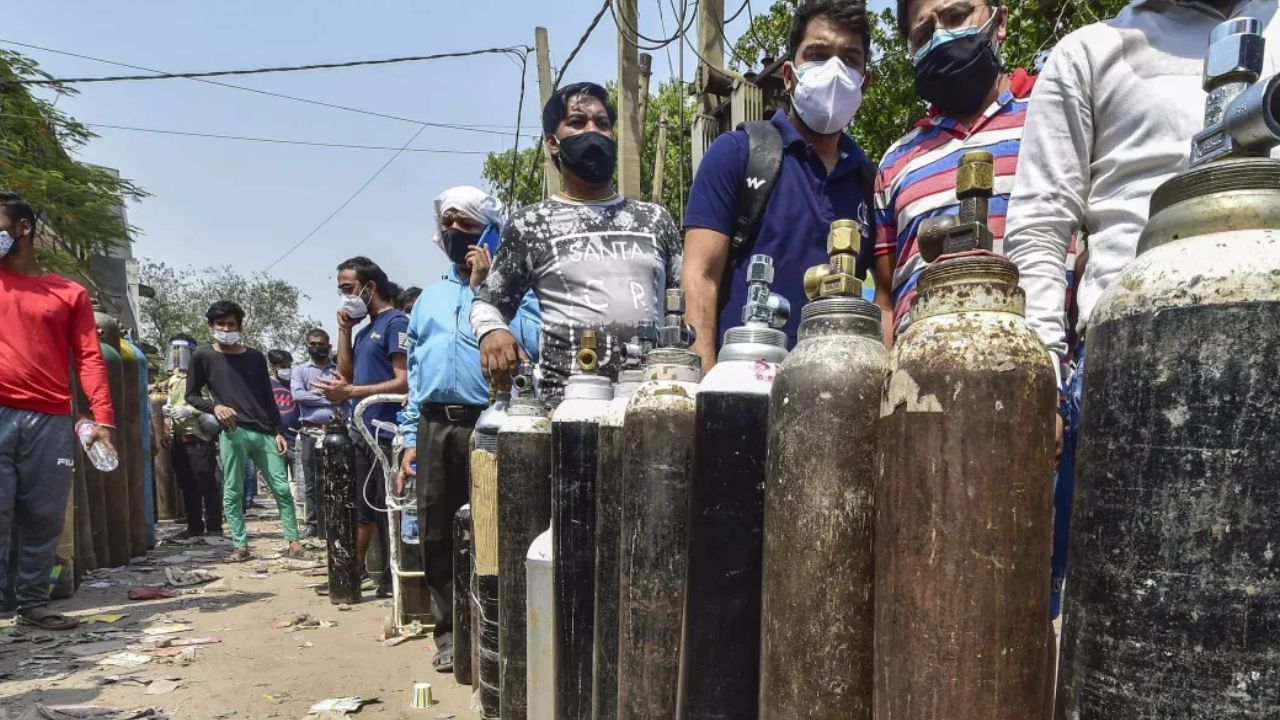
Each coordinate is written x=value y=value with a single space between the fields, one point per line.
x=755 y=183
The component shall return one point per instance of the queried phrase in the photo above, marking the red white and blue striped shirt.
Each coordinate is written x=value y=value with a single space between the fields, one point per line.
x=917 y=180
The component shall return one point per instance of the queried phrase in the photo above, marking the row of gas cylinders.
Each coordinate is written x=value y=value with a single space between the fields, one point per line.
x=111 y=516
x=844 y=532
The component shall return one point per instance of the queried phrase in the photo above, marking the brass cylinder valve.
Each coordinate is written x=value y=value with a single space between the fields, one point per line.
x=950 y=234
x=837 y=278
x=588 y=358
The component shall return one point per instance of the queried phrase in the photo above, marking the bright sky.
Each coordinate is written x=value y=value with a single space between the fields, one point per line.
x=218 y=202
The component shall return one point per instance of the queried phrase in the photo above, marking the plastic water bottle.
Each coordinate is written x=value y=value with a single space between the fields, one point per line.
x=409 y=513
x=100 y=455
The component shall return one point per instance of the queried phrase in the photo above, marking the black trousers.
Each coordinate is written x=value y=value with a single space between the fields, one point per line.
x=444 y=486
x=195 y=469
x=371 y=499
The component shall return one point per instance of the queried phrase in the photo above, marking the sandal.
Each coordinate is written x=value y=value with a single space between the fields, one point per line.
x=46 y=619
x=240 y=555
x=443 y=661
x=297 y=552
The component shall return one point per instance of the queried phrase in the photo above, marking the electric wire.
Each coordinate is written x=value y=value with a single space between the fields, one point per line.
x=261 y=71
x=245 y=138
x=684 y=128
x=256 y=91
x=515 y=152
x=625 y=27
x=737 y=14
x=582 y=41
x=346 y=202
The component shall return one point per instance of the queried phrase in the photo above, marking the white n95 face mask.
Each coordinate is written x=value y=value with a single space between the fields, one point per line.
x=226 y=338
x=827 y=95
x=353 y=306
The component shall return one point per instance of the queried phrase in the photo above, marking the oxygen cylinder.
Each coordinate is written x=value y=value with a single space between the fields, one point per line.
x=116 y=482
x=817 y=568
x=540 y=620
x=1171 y=609
x=484 y=521
x=575 y=442
x=62 y=578
x=524 y=511
x=90 y=502
x=965 y=498
x=336 y=464
x=720 y=648
x=130 y=435
x=168 y=503
x=658 y=452
x=604 y=674
x=144 y=432
x=462 y=640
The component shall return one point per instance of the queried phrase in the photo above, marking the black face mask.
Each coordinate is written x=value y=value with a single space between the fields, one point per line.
x=457 y=242
x=589 y=155
x=957 y=75
x=318 y=353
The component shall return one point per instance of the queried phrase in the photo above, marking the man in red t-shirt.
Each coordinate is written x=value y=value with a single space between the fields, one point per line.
x=46 y=323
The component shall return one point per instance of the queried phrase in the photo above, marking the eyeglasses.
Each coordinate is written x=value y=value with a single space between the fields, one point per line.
x=949 y=17
x=348 y=289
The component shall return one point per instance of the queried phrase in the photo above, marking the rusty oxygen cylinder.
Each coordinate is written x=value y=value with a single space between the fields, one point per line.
x=658 y=461
x=575 y=443
x=604 y=673
x=131 y=437
x=91 y=531
x=524 y=511
x=116 y=482
x=720 y=648
x=965 y=492
x=1171 y=609
x=819 y=509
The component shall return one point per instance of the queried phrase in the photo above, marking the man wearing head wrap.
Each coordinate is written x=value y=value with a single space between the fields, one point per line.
x=446 y=388
x=596 y=260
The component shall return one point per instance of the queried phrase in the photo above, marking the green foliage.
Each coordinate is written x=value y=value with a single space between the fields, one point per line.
x=80 y=203
x=272 y=318
x=529 y=176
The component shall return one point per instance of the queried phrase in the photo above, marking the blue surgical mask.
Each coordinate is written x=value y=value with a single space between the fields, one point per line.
x=6 y=243
x=942 y=36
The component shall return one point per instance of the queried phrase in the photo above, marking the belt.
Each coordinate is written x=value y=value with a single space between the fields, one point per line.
x=464 y=414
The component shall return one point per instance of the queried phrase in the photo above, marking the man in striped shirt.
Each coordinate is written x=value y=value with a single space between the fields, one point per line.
x=973 y=105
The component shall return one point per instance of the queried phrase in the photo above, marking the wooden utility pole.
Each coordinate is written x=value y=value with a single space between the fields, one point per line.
x=659 y=162
x=630 y=128
x=646 y=73
x=711 y=43
x=551 y=176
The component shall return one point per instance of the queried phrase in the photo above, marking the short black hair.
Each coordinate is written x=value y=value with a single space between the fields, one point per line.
x=852 y=14
x=407 y=296
x=279 y=357
x=184 y=337
x=557 y=107
x=223 y=308
x=318 y=332
x=12 y=205
x=367 y=271
x=904 y=28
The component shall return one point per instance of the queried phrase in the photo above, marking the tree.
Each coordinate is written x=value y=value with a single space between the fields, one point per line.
x=272 y=317
x=528 y=178
x=79 y=202
x=891 y=104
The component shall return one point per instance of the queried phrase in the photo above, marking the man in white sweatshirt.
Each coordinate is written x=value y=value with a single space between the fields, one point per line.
x=1111 y=118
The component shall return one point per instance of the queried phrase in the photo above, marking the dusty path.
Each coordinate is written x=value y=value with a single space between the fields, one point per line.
x=255 y=671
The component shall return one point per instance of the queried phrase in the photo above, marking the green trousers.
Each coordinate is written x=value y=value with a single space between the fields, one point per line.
x=236 y=445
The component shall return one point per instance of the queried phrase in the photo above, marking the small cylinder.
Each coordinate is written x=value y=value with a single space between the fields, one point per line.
x=462 y=670
x=338 y=496
x=541 y=678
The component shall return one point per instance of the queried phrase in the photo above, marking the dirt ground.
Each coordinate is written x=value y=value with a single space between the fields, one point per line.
x=254 y=671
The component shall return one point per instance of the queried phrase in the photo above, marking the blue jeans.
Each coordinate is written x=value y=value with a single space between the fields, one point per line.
x=37 y=456
x=1064 y=483
x=250 y=481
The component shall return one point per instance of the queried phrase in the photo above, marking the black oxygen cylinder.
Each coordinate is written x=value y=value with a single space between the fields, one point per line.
x=720 y=645
x=658 y=451
x=115 y=492
x=337 y=460
x=604 y=672
x=462 y=595
x=575 y=437
x=524 y=511
x=484 y=522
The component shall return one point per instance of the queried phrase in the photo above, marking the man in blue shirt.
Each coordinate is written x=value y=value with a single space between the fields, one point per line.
x=375 y=363
x=824 y=177
x=314 y=412
x=446 y=388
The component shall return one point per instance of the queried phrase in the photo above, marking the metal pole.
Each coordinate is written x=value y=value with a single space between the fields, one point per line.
x=659 y=162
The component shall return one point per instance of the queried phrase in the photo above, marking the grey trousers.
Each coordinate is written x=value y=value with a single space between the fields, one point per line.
x=36 y=468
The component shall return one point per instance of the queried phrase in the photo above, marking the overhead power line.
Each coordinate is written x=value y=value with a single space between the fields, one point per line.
x=276 y=141
x=657 y=43
x=256 y=91
x=582 y=41
x=265 y=70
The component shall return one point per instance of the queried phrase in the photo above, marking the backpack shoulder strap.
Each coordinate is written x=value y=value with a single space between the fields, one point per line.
x=764 y=162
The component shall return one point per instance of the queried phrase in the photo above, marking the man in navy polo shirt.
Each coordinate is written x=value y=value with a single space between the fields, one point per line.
x=375 y=363
x=824 y=177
